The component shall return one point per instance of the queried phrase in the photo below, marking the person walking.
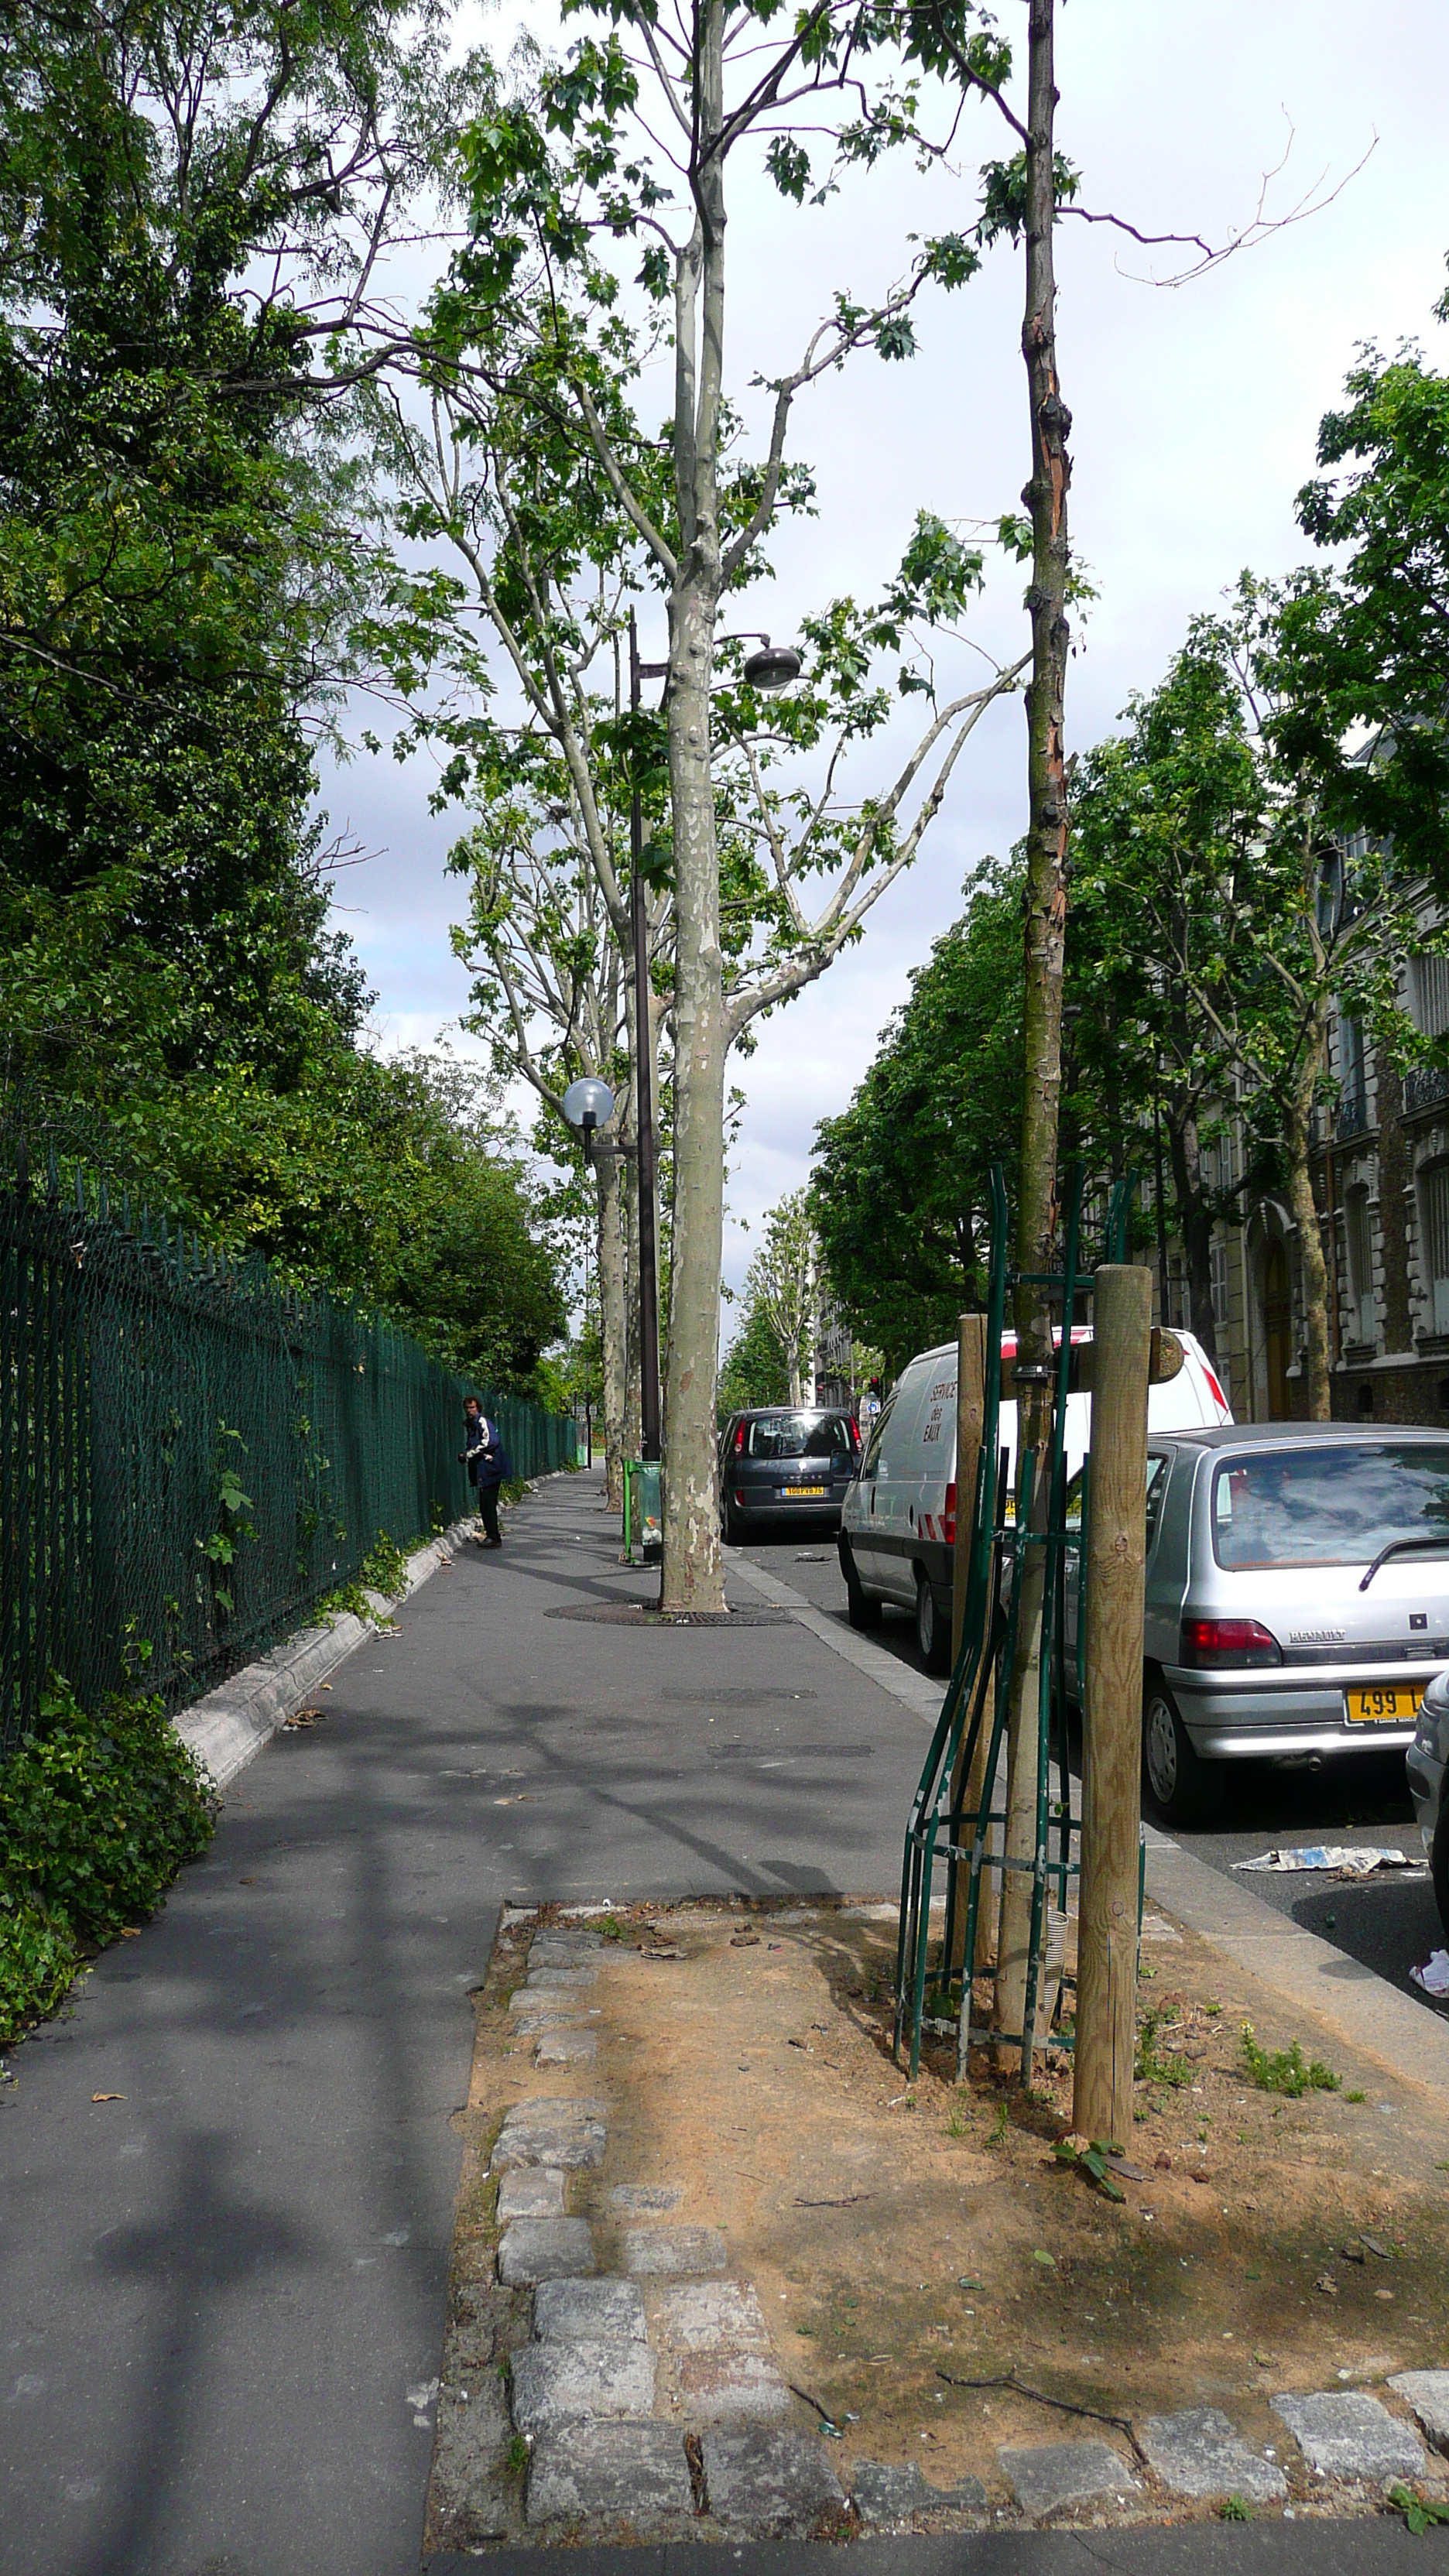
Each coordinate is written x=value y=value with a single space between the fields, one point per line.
x=487 y=1462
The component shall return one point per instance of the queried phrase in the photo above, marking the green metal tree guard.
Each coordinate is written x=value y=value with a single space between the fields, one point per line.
x=956 y=1834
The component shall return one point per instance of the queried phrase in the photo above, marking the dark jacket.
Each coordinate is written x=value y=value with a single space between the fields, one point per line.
x=487 y=1457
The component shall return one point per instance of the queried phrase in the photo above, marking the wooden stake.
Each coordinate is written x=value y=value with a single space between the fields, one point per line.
x=1112 y=1720
x=970 y=1425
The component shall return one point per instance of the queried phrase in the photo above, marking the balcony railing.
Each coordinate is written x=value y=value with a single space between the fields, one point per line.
x=1425 y=1087
x=1352 y=1118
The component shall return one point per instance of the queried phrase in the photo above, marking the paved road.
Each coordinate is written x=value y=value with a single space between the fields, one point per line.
x=219 y=2290
x=1388 y=1923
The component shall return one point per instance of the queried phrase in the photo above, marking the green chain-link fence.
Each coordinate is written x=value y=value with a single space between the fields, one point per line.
x=191 y=1456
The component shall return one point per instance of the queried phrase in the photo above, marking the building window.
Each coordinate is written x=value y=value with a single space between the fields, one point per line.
x=1434 y=1198
x=1429 y=995
x=1363 y=1313
x=1218 y=1260
x=1352 y=1083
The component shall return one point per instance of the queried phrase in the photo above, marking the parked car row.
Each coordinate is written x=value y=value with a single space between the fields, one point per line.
x=1297 y=1575
x=898 y=1522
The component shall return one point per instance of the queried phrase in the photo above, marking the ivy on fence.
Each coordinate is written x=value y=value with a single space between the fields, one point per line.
x=192 y=1456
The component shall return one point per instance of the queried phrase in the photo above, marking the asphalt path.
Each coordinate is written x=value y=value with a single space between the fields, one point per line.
x=223 y=2283
x=1388 y=1922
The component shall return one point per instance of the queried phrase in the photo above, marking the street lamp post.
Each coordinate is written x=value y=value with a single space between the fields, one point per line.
x=588 y=1104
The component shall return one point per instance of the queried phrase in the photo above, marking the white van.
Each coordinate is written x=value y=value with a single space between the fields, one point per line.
x=898 y=1520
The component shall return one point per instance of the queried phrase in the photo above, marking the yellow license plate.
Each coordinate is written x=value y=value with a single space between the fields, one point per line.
x=1392 y=1704
x=802 y=1493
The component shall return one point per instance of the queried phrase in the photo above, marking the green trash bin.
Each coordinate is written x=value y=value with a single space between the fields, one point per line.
x=643 y=1529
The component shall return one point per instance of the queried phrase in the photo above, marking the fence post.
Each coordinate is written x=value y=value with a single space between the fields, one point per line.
x=1112 y=1720
x=970 y=1426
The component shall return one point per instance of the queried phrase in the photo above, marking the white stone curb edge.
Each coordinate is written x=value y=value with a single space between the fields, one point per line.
x=228 y=1728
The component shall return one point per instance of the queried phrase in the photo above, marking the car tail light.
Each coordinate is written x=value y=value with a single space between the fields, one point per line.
x=739 y=1439
x=948 y=1515
x=1228 y=1641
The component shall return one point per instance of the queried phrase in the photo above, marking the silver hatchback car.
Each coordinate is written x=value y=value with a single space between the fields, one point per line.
x=1297 y=1601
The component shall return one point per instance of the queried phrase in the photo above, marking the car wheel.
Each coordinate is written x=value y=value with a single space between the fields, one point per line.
x=933 y=1636
x=730 y=1525
x=1439 y=1872
x=861 y=1607
x=1178 y=1782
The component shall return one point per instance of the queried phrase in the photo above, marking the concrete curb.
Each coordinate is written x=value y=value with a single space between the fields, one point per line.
x=229 y=1727
x=1406 y=2039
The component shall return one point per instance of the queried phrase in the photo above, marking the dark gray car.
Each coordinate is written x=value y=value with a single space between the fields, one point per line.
x=782 y=1463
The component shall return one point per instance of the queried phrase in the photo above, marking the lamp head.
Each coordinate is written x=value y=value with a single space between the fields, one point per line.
x=588 y=1103
x=773 y=667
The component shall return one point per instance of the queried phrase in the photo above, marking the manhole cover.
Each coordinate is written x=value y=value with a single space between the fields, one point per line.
x=790 y=1752
x=730 y=1699
x=640 y=1614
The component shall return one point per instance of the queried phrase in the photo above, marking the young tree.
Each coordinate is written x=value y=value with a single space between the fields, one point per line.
x=753 y=1369
x=901 y=1183
x=1367 y=643
x=782 y=1286
x=549 y=988
x=1222 y=923
x=1165 y=820
x=535 y=352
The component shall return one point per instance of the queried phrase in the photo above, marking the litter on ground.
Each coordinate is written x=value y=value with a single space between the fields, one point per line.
x=1434 y=1975
x=1348 y=1860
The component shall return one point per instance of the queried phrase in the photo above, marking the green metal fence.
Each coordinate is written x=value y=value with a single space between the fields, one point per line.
x=192 y=1456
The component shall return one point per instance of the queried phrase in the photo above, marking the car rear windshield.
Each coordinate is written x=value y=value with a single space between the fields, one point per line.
x=1335 y=1506
x=798 y=1435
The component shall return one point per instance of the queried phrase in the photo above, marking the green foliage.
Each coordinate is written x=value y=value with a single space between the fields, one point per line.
x=1158 y=2065
x=754 y=1369
x=1419 y=2511
x=385 y=1566
x=97 y=1814
x=39 y=1962
x=1091 y=2160
x=1368 y=639
x=181 y=561
x=1235 y=2508
x=1285 y=2070
x=383 y=1569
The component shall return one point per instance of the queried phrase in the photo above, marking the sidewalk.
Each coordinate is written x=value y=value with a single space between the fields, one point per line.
x=224 y=2292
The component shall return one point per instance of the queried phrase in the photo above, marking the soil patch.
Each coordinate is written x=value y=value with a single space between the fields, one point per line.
x=922 y=2259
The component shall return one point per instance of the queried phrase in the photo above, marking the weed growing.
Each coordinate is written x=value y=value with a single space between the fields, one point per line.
x=384 y=1569
x=1158 y=2065
x=1285 y=2070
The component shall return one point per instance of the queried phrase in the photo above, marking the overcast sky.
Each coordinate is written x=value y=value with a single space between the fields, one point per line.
x=1195 y=411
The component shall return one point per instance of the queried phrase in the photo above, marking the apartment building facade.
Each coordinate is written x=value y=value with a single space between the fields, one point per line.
x=1381 y=1181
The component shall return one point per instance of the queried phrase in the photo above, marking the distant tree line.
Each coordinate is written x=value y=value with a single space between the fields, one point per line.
x=187 y=207
x=1262 y=846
